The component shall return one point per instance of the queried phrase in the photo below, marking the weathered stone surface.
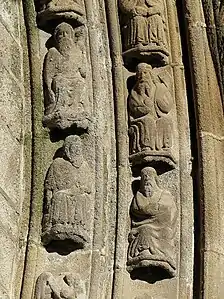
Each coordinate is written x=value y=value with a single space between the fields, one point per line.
x=64 y=286
x=84 y=214
x=65 y=80
x=151 y=126
x=53 y=12
x=144 y=32
x=152 y=253
x=14 y=166
x=67 y=198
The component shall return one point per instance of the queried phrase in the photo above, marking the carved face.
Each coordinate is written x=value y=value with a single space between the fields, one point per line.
x=148 y=180
x=63 y=32
x=73 y=148
x=143 y=72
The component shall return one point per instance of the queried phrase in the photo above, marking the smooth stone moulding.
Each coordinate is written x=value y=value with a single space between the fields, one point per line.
x=53 y=12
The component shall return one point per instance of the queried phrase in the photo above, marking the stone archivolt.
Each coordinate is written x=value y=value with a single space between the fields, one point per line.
x=67 y=187
x=151 y=251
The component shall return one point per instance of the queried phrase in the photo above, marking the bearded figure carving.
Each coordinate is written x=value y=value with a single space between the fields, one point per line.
x=65 y=86
x=67 y=199
x=150 y=126
x=151 y=252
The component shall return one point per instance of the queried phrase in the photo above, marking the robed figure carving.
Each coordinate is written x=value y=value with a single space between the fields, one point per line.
x=151 y=252
x=67 y=200
x=151 y=128
x=144 y=30
x=63 y=286
x=65 y=80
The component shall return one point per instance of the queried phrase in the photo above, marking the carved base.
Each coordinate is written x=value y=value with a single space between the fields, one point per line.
x=151 y=268
x=64 y=238
x=152 y=54
x=162 y=160
x=59 y=120
x=49 y=18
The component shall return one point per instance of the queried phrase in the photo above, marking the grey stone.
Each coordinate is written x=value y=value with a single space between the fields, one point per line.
x=67 y=196
x=66 y=89
x=151 y=253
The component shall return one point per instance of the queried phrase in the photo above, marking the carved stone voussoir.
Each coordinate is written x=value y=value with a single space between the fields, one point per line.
x=52 y=12
x=143 y=27
x=151 y=252
x=67 y=198
x=65 y=80
x=150 y=124
x=64 y=285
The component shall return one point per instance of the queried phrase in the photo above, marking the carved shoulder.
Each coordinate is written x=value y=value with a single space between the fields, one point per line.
x=127 y=6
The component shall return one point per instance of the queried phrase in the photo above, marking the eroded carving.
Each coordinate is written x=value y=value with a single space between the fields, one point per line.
x=150 y=130
x=144 y=30
x=151 y=252
x=64 y=286
x=67 y=200
x=65 y=82
x=53 y=12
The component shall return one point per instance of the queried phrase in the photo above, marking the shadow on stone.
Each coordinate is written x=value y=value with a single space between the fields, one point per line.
x=150 y=274
x=63 y=247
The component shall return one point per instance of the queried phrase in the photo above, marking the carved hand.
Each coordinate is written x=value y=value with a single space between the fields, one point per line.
x=140 y=11
x=154 y=11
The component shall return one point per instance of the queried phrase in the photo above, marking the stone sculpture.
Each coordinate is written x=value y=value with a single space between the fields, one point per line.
x=53 y=12
x=67 y=199
x=144 y=30
x=65 y=86
x=150 y=130
x=151 y=252
x=63 y=286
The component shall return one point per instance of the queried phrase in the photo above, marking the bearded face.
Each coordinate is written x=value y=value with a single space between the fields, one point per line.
x=64 y=38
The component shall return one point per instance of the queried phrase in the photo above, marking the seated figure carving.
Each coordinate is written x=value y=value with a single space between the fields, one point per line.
x=67 y=200
x=63 y=286
x=65 y=86
x=144 y=28
x=149 y=104
x=151 y=252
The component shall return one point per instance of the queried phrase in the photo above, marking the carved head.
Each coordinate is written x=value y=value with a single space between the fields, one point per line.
x=143 y=72
x=63 y=35
x=148 y=182
x=73 y=149
x=43 y=287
